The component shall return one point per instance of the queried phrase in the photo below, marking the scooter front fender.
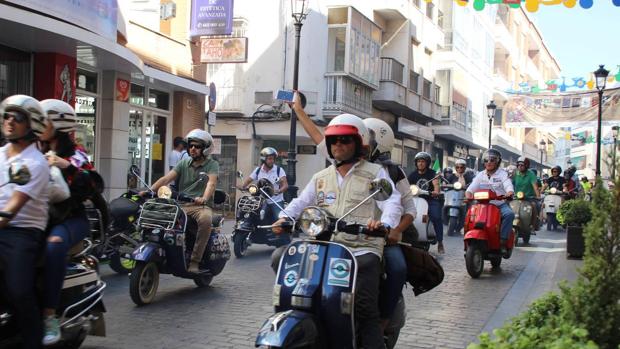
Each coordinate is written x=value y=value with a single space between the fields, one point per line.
x=475 y=234
x=288 y=329
x=148 y=252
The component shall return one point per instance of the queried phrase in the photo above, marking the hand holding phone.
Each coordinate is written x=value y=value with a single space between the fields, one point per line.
x=285 y=95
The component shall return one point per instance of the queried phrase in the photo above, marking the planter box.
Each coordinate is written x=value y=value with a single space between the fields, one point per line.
x=575 y=244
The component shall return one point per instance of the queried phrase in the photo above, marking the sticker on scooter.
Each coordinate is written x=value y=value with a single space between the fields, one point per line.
x=339 y=272
x=290 y=278
x=313 y=248
x=314 y=257
x=179 y=239
x=289 y=266
x=301 y=249
x=292 y=250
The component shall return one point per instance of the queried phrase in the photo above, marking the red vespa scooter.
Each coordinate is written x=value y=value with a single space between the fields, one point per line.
x=482 y=238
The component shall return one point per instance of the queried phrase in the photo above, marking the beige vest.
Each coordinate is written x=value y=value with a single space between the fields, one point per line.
x=338 y=201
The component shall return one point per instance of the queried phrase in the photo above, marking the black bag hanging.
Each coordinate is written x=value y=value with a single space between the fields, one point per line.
x=423 y=271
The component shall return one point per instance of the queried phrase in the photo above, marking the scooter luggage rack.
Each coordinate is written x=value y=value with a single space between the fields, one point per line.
x=166 y=215
x=249 y=203
x=97 y=293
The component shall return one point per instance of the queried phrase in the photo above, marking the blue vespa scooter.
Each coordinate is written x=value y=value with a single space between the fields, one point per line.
x=168 y=236
x=314 y=290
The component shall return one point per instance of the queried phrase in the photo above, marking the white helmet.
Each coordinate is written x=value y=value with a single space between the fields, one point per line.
x=201 y=136
x=268 y=151
x=460 y=162
x=348 y=125
x=383 y=135
x=61 y=114
x=30 y=107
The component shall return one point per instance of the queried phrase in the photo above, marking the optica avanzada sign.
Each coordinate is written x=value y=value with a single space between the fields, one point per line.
x=211 y=17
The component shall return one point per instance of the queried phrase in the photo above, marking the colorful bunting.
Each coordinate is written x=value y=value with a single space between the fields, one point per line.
x=564 y=84
x=530 y=5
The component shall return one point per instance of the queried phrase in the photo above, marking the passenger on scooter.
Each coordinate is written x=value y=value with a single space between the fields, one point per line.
x=525 y=181
x=341 y=187
x=427 y=179
x=68 y=223
x=586 y=185
x=186 y=173
x=462 y=174
x=555 y=180
x=276 y=175
x=22 y=236
x=570 y=184
x=495 y=179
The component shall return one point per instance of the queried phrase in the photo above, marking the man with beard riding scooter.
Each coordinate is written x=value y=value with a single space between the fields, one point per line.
x=496 y=179
x=187 y=173
x=525 y=181
x=341 y=187
x=22 y=235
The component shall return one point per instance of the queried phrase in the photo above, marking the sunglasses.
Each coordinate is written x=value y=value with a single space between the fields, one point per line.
x=341 y=139
x=19 y=117
x=457 y=167
x=492 y=160
x=197 y=146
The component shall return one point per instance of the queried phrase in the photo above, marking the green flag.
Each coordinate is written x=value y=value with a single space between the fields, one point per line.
x=436 y=166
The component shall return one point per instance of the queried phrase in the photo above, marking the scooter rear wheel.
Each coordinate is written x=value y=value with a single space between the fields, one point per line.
x=474 y=261
x=203 y=280
x=143 y=282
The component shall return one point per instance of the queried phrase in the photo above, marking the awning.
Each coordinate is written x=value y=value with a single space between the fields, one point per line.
x=31 y=32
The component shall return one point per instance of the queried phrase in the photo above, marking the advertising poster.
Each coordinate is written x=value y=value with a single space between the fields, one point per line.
x=224 y=50
x=211 y=17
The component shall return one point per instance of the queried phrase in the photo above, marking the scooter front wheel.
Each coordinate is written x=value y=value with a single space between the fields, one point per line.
x=240 y=244
x=452 y=226
x=203 y=280
x=121 y=265
x=474 y=261
x=143 y=282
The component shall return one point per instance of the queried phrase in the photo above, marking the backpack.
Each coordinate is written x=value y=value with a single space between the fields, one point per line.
x=423 y=271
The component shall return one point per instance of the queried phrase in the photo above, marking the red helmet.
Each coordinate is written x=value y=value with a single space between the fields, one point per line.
x=348 y=125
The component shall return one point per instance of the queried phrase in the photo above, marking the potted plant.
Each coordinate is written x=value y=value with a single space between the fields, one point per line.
x=574 y=215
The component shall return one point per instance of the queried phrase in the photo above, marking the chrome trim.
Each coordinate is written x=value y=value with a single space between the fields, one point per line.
x=97 y=293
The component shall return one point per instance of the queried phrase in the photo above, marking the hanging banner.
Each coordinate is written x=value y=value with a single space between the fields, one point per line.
x=561 y=110
x=211 y=17
x=228 y=50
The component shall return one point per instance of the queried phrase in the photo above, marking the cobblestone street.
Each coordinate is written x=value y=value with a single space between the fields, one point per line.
x=229 y=312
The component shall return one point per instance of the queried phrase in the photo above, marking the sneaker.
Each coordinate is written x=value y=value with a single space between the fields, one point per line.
x=193 y=268
x=440 y=248
x=51 y=334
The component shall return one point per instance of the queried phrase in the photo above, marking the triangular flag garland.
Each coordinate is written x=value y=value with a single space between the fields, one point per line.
x=530 y=5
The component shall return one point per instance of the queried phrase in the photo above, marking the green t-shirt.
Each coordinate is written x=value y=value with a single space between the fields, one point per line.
x=188 y=175
x=523 y=182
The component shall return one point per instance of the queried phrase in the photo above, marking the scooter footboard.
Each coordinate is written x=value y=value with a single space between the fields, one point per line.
x=289 y=329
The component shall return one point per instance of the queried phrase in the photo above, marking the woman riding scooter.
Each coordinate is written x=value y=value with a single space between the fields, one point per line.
x=68 y=221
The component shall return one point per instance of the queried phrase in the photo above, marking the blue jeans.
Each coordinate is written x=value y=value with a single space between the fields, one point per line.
x=19 y=251
x=71 y=231
x=392 y=287
x=434 y=213
x=507 y=217
x=273 y=211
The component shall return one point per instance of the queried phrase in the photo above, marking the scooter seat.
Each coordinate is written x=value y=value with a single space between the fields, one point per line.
x=216 y=220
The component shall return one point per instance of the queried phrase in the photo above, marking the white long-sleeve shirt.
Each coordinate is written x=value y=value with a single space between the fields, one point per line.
x=499 y=182
x=391 y=210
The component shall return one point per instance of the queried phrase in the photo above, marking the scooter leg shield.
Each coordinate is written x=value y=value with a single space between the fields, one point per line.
x=147 y=252
x=289 y=329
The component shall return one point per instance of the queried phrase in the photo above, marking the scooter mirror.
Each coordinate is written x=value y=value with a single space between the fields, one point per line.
x=202 y=176
x=240 y=174
x=266 y=186
x=384 y=187
x=19 y=176
x=135 y=170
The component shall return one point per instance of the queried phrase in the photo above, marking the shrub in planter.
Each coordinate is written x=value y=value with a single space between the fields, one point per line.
x=574 y=212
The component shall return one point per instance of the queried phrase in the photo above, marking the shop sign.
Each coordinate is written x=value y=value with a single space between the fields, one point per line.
x=211 y=17
x=122 y=90
x=98 y=16
x=226 y=50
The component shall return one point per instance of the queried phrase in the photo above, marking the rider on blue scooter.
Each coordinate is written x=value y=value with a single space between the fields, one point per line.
x=341 y=187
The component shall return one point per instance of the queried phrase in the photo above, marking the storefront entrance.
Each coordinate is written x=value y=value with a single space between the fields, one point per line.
x=147 y=139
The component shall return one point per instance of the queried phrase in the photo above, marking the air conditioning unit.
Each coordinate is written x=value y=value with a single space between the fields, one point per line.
x=167 y=11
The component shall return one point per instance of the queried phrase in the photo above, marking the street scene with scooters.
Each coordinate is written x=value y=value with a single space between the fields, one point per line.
x=300 y=174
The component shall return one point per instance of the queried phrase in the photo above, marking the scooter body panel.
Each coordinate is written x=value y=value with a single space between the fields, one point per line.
x=148 y=252
x=247 y=221
x=425 y=229
x=552 y=203
x=291 y=328
x=483 y=222
x=524 y=214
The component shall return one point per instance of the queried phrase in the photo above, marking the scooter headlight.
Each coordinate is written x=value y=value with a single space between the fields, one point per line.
x=458 y=186
x=553 y=190
x=164 y=192
x=313 y=221
x=414 y=189
x=252 y=189
x=520 y=195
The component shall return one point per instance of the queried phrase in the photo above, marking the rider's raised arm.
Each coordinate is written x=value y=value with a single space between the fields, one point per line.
x=169 y=177
x=306 y=122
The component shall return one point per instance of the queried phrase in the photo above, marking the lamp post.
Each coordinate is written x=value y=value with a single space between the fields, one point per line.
x=299 y=10
x=491 y=114
x=601 y=79
x=542 y=146
x=614 y=133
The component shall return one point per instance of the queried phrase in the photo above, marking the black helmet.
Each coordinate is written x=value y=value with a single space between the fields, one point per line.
x=425 y=156
x=268 y=151
x=492 y=153
x=556 y=168
x=572 y=169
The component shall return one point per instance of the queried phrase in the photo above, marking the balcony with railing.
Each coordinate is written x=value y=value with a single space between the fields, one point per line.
x=392 y=93
x=345 y=95
x=455 y=124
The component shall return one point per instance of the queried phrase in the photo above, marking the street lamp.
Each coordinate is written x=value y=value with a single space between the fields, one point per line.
x=299 y=10
x=542 y=146
x=601 y=79
x=614 y=133
x=491 y=113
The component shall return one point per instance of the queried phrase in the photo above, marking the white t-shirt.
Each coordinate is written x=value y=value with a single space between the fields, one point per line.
x=35 y=211
x=272 y=176
x=176 y=156
x=499 y=182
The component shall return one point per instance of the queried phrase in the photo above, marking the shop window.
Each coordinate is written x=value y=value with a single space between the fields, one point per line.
x=159 y=99
x=14 y=72
x=87 y=81
x=136 y=95
x=86 y=110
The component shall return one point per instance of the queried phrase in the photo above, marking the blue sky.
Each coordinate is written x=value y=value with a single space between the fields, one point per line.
x=581 y=39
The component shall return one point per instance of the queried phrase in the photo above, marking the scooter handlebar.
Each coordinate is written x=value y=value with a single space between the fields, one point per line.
x=356 y=229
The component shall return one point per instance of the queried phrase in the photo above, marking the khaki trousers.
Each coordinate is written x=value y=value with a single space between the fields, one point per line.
x=202 y=214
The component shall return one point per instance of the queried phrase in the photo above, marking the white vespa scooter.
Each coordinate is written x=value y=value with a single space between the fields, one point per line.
x=424 y=236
